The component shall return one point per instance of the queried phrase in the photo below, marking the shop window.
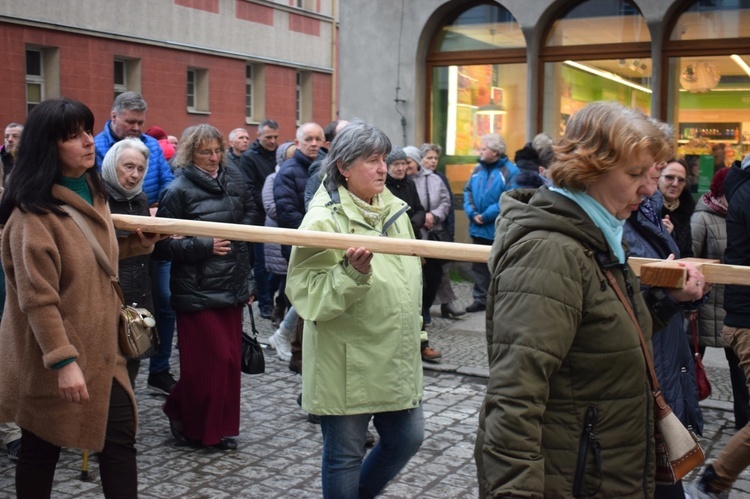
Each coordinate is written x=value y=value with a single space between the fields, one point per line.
x=197 y=90
x=477 y=85
x=708 y=86
x=597 y=50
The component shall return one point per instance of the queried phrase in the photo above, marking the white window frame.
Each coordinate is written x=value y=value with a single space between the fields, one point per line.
x=197 y=101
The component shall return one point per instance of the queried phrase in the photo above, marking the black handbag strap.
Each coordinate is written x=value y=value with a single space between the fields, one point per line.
x=76 y=216
x=252 y=322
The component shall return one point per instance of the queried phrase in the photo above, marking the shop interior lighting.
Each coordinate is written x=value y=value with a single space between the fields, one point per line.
x=608 y=76
x=741 y=63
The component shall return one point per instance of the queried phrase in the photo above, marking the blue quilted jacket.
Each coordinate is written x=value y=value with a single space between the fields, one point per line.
x=159 y=174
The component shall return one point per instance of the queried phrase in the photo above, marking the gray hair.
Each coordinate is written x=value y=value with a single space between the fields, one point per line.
x=424 y=148
x=494 y=142
x=357 y=140
x=300 y=136
x=132 y=101
x=109 y=165
x=233 y=133
x=541 y=141
x=193 y=138
x=14 y=125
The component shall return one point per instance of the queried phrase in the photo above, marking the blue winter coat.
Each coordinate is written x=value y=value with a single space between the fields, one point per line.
x=159 y=174
x=673 y=360
x=289 y=193
x=482 y=194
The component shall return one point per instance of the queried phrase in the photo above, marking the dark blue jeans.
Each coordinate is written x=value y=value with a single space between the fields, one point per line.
x=344 y=474
x=262 y=278
x=165 y=315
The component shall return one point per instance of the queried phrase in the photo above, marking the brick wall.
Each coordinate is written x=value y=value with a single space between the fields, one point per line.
x=86 y=74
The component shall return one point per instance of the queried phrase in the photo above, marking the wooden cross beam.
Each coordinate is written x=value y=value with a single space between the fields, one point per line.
x=652 y=272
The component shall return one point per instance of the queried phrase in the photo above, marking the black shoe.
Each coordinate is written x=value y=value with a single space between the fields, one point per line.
x=14 y=449
x=369 y=439
x=162 y=382
x=180 y=438
x=476 y=307
x=227 y=444
x=449 y=311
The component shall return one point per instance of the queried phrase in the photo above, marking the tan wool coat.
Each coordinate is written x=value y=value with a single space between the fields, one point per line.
x=60 y=304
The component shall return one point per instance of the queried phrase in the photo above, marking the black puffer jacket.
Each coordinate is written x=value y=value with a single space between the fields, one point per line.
x=201 y=280
x=134 y=272
x=406 y=190
x=737 y=298
x=256 y=164
x=680 y=218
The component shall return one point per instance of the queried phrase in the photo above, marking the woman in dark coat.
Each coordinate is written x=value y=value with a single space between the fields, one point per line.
x=123 y=170
x=211 y=281
x=404 y=188
x=678 y=205
x=646 y=237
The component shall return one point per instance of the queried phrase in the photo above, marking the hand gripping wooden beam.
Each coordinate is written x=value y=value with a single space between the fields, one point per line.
x=652 y=272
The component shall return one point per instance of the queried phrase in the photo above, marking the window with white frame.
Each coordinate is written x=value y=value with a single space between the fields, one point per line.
x=298 y=96
x=249 y=95
x=34 y=78
x=197 y=90
x=120 y=77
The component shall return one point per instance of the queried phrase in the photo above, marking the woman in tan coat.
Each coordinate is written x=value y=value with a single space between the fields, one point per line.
x=62 y=377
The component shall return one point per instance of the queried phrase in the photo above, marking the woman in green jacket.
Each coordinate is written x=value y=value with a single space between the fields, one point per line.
x=568 y=410
x=362 y=321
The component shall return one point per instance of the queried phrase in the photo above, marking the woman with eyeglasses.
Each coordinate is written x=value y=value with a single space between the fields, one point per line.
x=211 y=281
x=678 y=205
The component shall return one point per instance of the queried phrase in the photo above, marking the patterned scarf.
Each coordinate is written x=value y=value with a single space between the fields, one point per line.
x=372 y=213
x=719 y=205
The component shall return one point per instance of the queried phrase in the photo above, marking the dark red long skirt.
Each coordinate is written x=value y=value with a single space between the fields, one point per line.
x=206 y=398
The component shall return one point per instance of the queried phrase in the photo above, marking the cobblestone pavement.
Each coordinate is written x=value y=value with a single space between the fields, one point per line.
x=279 y=450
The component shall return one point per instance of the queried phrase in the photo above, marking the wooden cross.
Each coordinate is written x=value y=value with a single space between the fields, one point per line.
x=662 y=273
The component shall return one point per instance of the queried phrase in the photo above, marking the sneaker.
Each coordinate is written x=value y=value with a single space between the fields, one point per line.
x=283 y=348
x=162 y=382
x=476 y=307
x=14 y=449
x=429 y=354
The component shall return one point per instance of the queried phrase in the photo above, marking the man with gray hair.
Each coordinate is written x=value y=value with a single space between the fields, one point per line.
x=126 y=120
x=492 y=176
x=8 y=151
x=239 y=141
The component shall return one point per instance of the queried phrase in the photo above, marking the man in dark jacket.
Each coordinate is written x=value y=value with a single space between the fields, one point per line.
x=10 y=144
x=291 y=180
x=239 y=141
x=257 y=163
x=717 y=478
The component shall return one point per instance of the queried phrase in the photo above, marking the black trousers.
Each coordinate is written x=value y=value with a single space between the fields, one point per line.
x=35 y=470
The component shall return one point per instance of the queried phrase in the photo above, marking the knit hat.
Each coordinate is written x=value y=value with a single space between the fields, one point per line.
x=397 y=154
x=413 y=153
x=717 y=184
x=745 y=162
x=157 y=132
x=167 y=148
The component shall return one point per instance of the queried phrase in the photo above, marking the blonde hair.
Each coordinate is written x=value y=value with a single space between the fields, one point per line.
x=602 y=136
x=193 y=138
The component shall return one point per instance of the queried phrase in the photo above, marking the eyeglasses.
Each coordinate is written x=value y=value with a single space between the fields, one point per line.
x=671 y=178
x=208 y=152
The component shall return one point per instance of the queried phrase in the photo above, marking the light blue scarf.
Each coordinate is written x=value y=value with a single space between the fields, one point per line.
x=610 y=226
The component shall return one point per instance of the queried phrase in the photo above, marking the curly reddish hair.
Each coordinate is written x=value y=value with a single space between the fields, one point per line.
x=603 y=136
